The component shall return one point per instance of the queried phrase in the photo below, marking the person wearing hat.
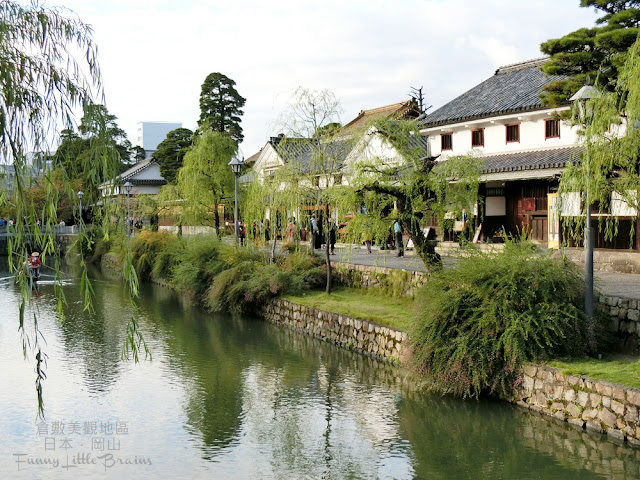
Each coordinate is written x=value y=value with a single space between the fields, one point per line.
x=34 y=265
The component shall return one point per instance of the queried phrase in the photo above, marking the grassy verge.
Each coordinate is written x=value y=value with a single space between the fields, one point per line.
x=623 y=370
x=391 y=311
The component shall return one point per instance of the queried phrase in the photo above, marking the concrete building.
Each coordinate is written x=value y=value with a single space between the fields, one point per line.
x=150 y=134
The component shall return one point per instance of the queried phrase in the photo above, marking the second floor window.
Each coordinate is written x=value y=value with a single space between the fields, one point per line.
x=477 y=137
x=513 y=133
x=552 y=128
x=446 y=141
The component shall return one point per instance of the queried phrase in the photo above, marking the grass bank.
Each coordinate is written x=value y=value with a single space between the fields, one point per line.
x=624 y=370
x=396 y=312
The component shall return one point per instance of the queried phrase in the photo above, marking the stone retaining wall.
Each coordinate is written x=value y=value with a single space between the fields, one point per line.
x=361 y=335
x=390 y=281
x=595 y=405
x=623 y=261
x=625 y=318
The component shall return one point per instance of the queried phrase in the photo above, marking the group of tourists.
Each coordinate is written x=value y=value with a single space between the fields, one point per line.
x=293 y=234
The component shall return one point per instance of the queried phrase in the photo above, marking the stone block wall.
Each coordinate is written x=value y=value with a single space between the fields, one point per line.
x=595 y=405
x=389 y=281
x=361 y=335
x=625 y=315
x=623 y=261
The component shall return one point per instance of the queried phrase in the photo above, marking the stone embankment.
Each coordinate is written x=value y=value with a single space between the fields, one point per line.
x=595 y=405
x=361 y=335
x=607 y=260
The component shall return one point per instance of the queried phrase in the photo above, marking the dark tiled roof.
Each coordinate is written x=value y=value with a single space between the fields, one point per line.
x=301 y=152
x=137 y=168
x=532 y=160
x=513 y=88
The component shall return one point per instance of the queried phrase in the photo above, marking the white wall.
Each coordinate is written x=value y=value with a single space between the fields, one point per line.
x=532 y=135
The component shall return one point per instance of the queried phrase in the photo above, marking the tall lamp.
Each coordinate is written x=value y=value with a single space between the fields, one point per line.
x=128 y=186
x=236 y=165
x=582 y=97
x=80 y=195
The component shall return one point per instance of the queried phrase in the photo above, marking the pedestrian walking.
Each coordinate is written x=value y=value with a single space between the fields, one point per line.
x=397 y=229
x=314 y=232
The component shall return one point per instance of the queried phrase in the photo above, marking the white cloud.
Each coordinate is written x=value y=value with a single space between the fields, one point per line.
x=156 y=54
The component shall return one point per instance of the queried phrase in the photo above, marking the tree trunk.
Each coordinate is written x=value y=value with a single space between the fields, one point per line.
x=273 y=246
x=216 y=221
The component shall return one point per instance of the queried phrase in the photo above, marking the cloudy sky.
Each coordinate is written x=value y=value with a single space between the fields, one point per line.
x=155 y=54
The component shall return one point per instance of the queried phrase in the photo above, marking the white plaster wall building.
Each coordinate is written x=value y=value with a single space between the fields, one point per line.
x=144 y=177
x=524 y=145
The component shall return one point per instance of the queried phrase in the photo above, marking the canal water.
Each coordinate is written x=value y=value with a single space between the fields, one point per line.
x=231 y=397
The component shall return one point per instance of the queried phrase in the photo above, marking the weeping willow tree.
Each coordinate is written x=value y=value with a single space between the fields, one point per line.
x=205 y=179
x=609 y=167
x=50 y=71
x=392 y=177
x=308 y=171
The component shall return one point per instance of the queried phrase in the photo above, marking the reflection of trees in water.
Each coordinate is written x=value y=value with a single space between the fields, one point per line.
x=453 y=438
x=316 y=418
x=286 y=393
x=91 y=340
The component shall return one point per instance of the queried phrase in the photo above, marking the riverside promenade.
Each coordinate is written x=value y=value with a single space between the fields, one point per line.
x=626 y=285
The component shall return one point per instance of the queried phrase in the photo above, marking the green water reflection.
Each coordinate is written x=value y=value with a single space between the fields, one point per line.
x=237 y=398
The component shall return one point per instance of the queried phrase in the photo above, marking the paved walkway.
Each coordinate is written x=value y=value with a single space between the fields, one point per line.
x=626 y=285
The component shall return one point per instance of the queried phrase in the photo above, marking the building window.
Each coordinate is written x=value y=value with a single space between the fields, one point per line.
x=552 y=128
x=477 y=137
x=446 y=141
x=513 y=133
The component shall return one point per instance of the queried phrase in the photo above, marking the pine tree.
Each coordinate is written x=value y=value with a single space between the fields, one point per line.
x=171 y=151
x=221 y=106
x=596 y=52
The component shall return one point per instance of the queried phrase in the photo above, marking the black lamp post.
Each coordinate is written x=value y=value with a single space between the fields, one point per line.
x=80 y=195
x=236 y=165
x=583 y=96
x=128 y=186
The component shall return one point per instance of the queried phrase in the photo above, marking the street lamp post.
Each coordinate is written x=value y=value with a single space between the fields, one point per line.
x=80 y=195
x=582 y=96
x=236 y=165
x=128 y=186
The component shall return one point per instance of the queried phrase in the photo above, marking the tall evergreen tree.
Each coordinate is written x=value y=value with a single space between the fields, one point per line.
x=171 y=151
x=598 y=52
x=221 y=106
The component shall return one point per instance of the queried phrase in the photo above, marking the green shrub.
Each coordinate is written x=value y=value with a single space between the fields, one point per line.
x=248 y=282
x=92 y=243
x=145 y=247
x=480 y=321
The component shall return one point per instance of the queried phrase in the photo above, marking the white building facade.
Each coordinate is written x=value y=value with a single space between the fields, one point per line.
x=150 y=134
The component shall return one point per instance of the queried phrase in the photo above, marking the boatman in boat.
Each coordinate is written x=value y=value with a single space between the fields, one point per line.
x=34 y=265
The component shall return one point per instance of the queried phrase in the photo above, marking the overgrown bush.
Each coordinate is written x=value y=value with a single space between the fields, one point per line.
x=480 y=321
x=247 y=284
x=92 y=243
x=145 y=248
